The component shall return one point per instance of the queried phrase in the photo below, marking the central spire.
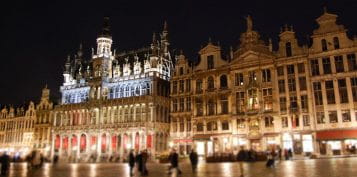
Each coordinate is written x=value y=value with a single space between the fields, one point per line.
x=106 y=28
x=249 y=23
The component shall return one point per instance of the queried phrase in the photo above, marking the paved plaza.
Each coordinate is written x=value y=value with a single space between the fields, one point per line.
x=297 y=168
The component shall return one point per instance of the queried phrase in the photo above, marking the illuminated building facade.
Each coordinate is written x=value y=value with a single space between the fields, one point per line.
x=302 y=98
x=42 y=125
x=114 y=102
x=16 y=129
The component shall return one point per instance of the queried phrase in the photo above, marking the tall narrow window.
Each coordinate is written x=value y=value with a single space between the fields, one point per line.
x=210 y=83
x=269 y=121
x=293 y=104
x=239 y=79
x=199 y=107
x=240 y=102
x=224 y=104
x=266 y=76
x=306 y=120
x=304 y=103
x=291 y=84
x=199 y=88
x=324 y=44
x=314 y=67
x=302 y=83
x=281 y=86
x=332 y=115
x=223 y=80
x=317 y=93
x=211 y=107
x=174 y=105
x=181 y=70
x=343 y=90
x=330 y=93
x=339 y=64
x=188 y=85
x=352 y=63
x=174 y=87
x=284 y=122
x=320 y=117
x=326 y=65
x=288 y=49
x=336 y=43
x=210 y=62
x=182 y=104
x=268 y=99
x=182 y=86
x=354 y=89
x=282 y=101
x=188 y=103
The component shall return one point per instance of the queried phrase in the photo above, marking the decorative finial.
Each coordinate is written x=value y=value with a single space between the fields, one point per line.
x=291 y=28
x=249 y=23
x=46 y=86
x=181 y=52
x=325 y=9
x=68 y=58
x=286 y=27
x=153 y=37
x=165 y=25
x=209 y=40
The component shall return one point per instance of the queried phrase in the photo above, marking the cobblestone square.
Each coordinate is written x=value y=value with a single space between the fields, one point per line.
x=297 y=168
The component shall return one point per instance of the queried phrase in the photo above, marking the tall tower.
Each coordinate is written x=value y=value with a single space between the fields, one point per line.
x=102 y=61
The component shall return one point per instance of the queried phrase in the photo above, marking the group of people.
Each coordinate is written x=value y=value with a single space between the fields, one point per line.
x=140 y=159
x=5 y=163
x=35 y=159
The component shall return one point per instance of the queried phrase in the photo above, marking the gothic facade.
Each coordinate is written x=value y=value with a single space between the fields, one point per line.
x=302 y=98
x=114 y=102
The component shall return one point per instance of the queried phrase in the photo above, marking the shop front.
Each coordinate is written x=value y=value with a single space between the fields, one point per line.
x=184 y=146
x=337 y=142
x=299 y=143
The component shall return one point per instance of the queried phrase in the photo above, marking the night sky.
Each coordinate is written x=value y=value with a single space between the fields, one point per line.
x=36 y=37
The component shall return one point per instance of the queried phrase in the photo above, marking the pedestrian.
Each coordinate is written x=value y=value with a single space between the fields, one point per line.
x=139 y=162
x=5 y=163
x=290 y=154
x=145 y=158
x=174 y=161
x=131 y=161
x=286 y=154
x=194 y=160
x=55 y=159
x=279 y=152
x=241 y=157
x=270 y=158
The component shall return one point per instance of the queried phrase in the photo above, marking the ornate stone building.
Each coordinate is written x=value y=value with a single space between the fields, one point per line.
x=42 y=125
x=302 y=98
x=16 y=129
x=114 y=102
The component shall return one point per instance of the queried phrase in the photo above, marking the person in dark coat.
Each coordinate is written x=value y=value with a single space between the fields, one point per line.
x=241 y=157
x=145 y=157
x=139 y=162
x=131 y=161
x=174 y=161
x=5 y=163
x=290 y=154
x=194 y=160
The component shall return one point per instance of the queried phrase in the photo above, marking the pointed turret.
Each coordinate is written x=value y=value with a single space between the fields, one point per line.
x=104 y=40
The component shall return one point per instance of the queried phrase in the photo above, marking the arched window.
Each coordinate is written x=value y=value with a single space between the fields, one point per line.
x=210 y=83
x=288 y=49
x=223 y=80
x=324 y=44
x=336 y=43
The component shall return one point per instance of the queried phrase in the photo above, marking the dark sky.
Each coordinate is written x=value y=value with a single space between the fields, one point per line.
x=37 y=36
